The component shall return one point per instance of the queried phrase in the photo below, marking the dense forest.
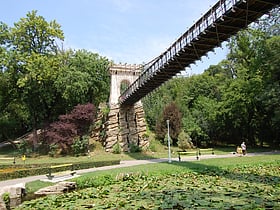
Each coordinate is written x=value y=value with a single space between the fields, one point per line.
x=236 y=100
x=233 y=101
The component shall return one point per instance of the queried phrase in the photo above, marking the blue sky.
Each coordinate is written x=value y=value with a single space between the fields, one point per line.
x=126 y=31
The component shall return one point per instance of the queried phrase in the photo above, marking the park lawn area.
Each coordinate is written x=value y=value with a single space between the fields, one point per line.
x=222 y=183
x=100 y=155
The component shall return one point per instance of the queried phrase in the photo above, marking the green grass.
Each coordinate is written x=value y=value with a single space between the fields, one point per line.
x=36 y=185
x=223 y=183
x=100 y=154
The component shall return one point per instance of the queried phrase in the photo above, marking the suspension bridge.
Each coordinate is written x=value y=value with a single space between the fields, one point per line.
x=217 y=25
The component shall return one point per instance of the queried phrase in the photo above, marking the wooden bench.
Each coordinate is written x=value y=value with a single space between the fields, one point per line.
x=208 y=150
x=13 y=159
x=198 y=152
x=187 y=153
x=52 y=174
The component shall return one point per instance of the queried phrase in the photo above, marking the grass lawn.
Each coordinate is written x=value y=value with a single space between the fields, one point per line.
x=229 y=183
x=100 y=155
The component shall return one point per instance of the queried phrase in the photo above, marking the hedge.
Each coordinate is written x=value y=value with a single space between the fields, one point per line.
x=34 y=170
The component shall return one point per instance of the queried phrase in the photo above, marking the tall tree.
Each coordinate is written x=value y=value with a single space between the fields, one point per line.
x=31 y=48
x=172 y=113
x=83 y=78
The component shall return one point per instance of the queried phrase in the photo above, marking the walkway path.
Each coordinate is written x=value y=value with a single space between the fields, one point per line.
x=126 y=163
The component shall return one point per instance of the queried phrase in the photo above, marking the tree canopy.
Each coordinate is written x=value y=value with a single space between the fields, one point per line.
x=236 y=100
x=39 y=81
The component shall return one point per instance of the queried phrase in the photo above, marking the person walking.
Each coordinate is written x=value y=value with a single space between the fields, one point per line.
x=243 y=147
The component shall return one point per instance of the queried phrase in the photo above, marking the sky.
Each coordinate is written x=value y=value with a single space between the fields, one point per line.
x=124 y=31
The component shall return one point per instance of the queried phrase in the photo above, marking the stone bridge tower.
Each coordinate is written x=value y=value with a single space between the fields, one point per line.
x=125 y=125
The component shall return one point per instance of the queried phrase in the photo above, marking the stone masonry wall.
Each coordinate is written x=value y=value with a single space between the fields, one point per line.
x=125 y=126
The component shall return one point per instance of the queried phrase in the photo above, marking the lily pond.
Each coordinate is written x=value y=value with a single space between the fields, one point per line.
x=235 y=183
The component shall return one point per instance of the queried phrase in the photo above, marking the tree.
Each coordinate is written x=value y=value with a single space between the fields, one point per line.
x=171 y=113
x=31 y=48
x=70 y=129
x=270 y=23
x=184 y=141
x=83 y=78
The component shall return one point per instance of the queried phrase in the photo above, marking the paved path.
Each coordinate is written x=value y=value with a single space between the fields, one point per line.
x=127 y=163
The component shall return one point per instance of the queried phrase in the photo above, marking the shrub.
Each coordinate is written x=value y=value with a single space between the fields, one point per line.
x=117 y=149
x=53 y=150
x=80 y=145
x=6 y=199
x=166 y=140
x=184 y=141
x=152 y=146
x=134 y=148
x=33 y=170
x=81 y=116
x=25 y=147
x=70 y=126
x=93 y=181
x=172 y=113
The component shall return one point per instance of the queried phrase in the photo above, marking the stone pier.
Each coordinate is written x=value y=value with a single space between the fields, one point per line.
x=125 y=125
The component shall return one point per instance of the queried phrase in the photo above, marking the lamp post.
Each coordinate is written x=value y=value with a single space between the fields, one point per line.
x=168 y=137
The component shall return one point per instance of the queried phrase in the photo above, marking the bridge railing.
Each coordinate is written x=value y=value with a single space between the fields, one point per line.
x=192 y=34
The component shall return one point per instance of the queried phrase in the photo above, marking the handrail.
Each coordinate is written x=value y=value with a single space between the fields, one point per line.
x=208 y=21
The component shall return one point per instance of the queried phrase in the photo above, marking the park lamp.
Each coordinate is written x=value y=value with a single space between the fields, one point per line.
x=168 y=137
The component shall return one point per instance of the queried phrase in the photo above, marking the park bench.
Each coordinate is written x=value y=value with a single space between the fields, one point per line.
x=198 y=152
x=206 y=151
x=54 y=173
x=180 y=153
x=8 y=159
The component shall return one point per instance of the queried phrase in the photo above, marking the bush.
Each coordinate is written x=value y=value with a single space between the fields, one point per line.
x=134 y=148
x=33 y=170
x=80 y=145
x=172 y=113
x=93 y=181
x=6 y=199
x=70 y=126
x=25 y=147
x=53 y=150
x=184 y=141
x=166 y=140
x=117 y=149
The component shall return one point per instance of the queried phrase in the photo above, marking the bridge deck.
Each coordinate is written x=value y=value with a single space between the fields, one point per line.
x=222 y=21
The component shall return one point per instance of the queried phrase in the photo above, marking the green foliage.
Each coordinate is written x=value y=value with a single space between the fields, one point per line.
x=25 y=148
x=124 y=86
x=84 y=78
x=184 y=141
x=80 y=145
x=32 y=66
x=6 y=198
x=86 y=181
x=53 y=150
x=233 y=101
x=172 y=113
x=214 y=184
x=153 y=145
x=33 y=186
x=105 y=110
x=117 y=148
x=165 y=140
x=38 y=169
x=134 y=148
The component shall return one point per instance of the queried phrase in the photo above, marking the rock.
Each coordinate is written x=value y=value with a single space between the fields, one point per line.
x=59 y=188
x=16 y=192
